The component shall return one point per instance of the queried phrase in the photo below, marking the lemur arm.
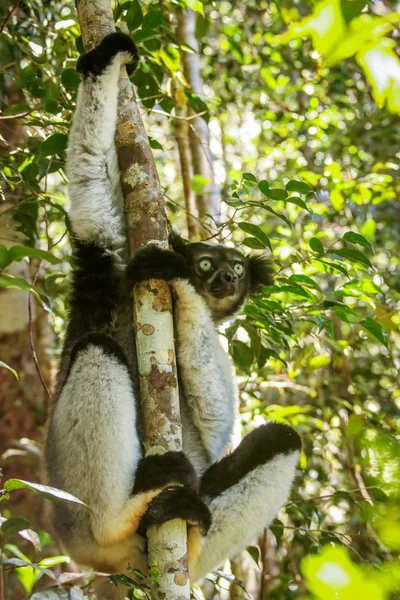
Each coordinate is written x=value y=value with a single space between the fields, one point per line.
x=92 y=168
x=204 y=368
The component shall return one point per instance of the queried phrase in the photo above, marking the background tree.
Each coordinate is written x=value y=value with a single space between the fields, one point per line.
x=305 y=149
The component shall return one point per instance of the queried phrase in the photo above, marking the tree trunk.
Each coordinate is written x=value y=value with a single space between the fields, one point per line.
x=182 y=138
x=208 y=200
x=146 y=222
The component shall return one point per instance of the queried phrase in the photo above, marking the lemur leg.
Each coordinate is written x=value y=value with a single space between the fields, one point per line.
x=245 y=490
x=205 y=370
x=94 y=189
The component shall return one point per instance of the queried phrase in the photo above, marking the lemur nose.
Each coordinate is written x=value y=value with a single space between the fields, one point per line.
x=230 y=278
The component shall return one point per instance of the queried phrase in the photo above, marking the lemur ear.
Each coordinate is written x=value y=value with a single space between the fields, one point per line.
x=176 y=242
x=260 y=272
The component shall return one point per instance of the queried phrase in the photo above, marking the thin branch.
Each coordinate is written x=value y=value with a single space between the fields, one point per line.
x=8 y=17
x=31 y=340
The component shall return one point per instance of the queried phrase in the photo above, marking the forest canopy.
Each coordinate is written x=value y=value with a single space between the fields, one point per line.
x=301 y=103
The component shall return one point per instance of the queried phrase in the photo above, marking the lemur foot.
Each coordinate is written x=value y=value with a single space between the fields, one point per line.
x=95 y=61
x=258 y=448
x=163 y=470
x=178 y=503
x=152 y=262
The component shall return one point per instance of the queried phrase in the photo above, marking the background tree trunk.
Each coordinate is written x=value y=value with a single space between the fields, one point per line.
x=208 y=200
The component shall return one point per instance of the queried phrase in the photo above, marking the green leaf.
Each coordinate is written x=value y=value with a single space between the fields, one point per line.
x=13 y=371
x=317 y=362
x=198 y=183
x=19 y=252
x=375 y=329
x=297 y=202
x=279 y=215
x=70 y=78
x=55 y=144
x=242 y=355
x=152 y=19
x=316 y=245
x=154 y=144
x=332 y=576
x=263 y=186
x=304 y=279
x=4 y=257
x=337 y=200
x=17 y=109
x=298 y=186
x=13 y=525
x=45 y=491
x=325 y=26
x=351 y=8
x=356 y=238
x=368 y=229
x=276 y=194
x=351 y=255
x=9 y=281
x=196 y=5
x=134 y=16
x=254 y=553
x=361 y=32
x=291 y=289
x=171 y=58
x=254 y=243
x=257 y=232
x=249 y=177
x=382 y=69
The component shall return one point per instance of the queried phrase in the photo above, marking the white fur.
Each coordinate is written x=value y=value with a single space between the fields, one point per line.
x=92 y=167
x=241 y=512
x=98 y=452
x=205 y=370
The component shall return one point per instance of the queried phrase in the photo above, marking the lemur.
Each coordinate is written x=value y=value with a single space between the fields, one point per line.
x=94 y=448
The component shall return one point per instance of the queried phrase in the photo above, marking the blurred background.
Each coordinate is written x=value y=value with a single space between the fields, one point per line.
x=275 y=127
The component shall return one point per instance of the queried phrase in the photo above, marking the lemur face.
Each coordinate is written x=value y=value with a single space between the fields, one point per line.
x=219 y=274
x=222 y=275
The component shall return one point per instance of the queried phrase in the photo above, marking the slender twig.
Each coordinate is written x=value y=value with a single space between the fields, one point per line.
x=31 y=340
x=8 y=17
x=4 y=117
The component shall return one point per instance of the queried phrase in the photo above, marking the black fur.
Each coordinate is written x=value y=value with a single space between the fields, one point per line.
x=152 y=262
x=107 y=343
x=98 y=59
x=257 y=448
x=176 y=242
x=260 y=272
x=177 y=503
x=96 y=287
x=159 y=470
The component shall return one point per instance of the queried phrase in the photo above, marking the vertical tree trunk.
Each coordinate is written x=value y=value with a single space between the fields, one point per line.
x=182 y=138
x=146 y=222
x=208 y=200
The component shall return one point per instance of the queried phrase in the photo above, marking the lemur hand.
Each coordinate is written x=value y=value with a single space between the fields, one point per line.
x=98 y=59
x=178 y=503
x=152 y=262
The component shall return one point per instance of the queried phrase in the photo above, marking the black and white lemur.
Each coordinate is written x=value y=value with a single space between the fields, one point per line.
x=94 y=446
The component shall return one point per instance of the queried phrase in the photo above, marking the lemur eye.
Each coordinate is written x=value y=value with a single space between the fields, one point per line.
x=239 y=268
x=205 y=264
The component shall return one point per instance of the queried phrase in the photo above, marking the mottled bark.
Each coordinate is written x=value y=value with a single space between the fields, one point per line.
x=208 y=200
x=146 y=222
